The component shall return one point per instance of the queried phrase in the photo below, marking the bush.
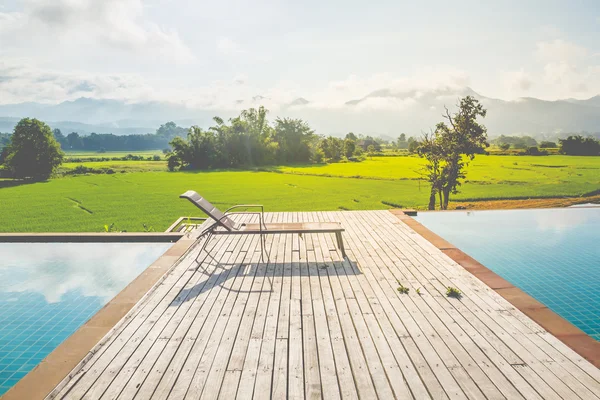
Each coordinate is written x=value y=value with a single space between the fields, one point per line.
x=156 y=157
x=534 y=151
x=548 y=145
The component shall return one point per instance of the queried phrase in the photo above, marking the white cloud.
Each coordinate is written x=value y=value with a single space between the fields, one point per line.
x=518 y=81
x=567 y=69
x=560 y=50
x=20 y=81
x=229 y=47
x=117 y=24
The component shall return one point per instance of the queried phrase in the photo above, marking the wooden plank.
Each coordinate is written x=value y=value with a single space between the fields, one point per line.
x=537 y=359
x=454 y=336
x=280 y=371
x=196 y=355
x=345 y=378
x=327 y=371
x=250 y=366
x=312 y=378
x=263 y=384
x=223 y=333
x=412 y=330
x=296 y=351
x=161 y=380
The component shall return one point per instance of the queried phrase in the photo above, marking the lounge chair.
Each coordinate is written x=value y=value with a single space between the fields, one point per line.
x=224 y=225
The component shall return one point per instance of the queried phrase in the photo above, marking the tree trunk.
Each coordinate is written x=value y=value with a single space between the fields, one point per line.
x=446 y=198
x=432 y=199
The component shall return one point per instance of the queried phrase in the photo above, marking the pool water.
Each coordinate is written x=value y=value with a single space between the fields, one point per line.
x=552 y=254
x=48 y=290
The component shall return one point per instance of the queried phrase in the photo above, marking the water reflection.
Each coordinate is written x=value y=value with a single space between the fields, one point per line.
x=54 y=269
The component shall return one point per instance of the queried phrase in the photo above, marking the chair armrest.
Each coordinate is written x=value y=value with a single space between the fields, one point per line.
x=246 y=206
x=261 y=214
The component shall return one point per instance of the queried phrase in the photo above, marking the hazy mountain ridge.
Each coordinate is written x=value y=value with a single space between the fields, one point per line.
x=381 y=112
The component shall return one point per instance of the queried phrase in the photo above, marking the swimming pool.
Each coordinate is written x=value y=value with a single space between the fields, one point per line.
x=552 y=254
x=48 y=290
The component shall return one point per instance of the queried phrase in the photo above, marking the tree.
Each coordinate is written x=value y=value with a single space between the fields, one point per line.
x=462 y=137
x=332 y=148
x=579 y=146
x=294 y=138
x=548 y=145
x=402 y=143
x=170 y=130
x=504 y=146
x=33 y=151
x=351 y=136
x=413 y=145
x=60 y=138
x=74 y=141
x=349 y=147
x=429 y=149
x=371 y=150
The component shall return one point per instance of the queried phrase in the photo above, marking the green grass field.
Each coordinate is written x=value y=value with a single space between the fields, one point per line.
x=129 y=200
x=110 y=154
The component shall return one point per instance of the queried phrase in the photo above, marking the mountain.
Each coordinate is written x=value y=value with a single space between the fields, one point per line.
x=381 y=112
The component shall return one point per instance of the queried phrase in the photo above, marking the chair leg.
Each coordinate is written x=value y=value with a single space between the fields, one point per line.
x=340 y=242
x=204 y=245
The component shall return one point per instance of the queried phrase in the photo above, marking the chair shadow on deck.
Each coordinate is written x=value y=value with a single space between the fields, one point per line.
x=223 y=273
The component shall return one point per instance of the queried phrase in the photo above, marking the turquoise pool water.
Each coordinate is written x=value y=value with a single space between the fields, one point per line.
x=48 y=290
x=553 y=255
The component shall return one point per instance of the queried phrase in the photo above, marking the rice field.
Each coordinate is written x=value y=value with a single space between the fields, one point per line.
x=149 y=194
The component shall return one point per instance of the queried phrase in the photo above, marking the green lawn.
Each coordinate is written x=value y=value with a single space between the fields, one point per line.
x=88 y=202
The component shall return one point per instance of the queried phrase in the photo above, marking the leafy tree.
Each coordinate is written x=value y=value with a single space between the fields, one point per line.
x=294 y=138
x=504 y=146
x=351 y=136
x=402 y=143
x=534 y=151
x=349 y=147
x=413 y=145
x=33 y=152
x=579 y=146
x=371 y=151
x=462 y=137
x=60 y=138
x=74 y=141
x=170 y=130
x=332 y=148
x=247 y=139
x=548 y=145
x=429 y=148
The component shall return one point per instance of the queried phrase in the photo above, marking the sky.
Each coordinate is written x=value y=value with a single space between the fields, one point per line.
x=214 y=54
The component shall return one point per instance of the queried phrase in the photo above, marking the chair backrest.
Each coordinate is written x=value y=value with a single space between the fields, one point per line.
x=210 y=210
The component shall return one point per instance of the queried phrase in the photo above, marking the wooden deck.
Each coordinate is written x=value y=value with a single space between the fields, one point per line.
x=308 y=324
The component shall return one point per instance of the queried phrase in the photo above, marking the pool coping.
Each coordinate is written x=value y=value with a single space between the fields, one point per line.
x=76 y=349
x=84 y=237
x=579 y=341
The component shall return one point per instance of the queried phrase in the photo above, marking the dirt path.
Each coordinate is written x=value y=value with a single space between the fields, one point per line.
x=528 y=203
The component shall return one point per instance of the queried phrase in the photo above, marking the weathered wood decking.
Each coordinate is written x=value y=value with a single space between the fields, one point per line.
x=309 y=325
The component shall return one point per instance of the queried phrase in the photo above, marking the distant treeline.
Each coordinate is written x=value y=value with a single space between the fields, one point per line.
x=251 y=140
x=575 y=145
x=110 y=142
